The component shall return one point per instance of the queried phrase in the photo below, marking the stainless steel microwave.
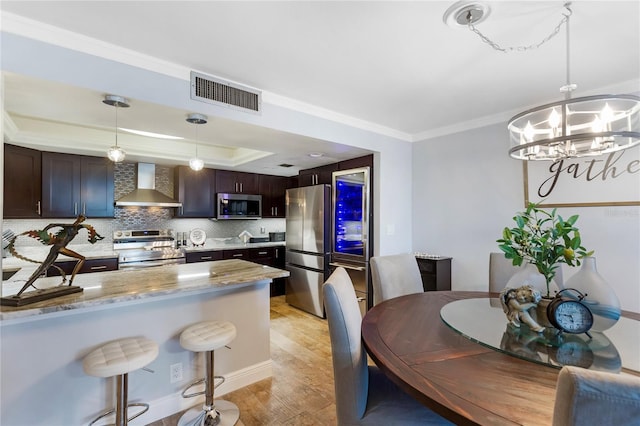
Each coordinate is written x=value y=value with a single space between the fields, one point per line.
x=239 y=206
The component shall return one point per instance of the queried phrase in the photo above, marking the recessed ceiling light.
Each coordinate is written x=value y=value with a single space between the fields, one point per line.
x=316 y=154
x=150 y=134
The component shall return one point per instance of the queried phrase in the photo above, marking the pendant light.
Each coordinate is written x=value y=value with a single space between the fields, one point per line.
x=575 y=127
x=196 y=163
x=115 y=153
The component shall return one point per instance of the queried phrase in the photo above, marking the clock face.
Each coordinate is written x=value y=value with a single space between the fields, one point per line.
x=575 y=353
x=573 y=317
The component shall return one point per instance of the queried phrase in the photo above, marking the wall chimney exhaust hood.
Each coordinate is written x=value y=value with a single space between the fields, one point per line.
x=146 y=195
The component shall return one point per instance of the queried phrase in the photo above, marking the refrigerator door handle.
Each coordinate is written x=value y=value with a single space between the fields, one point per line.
x=345 y=266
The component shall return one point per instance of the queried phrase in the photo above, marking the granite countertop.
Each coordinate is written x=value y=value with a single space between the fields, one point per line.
x=107 y=288
x=216 y=244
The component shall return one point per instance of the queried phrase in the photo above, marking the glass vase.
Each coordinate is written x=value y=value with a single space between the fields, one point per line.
x=600 y=297
x=528 y=275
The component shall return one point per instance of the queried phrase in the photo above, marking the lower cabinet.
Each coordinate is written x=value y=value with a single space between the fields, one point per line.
x=90 y=265
x=435 y=273
x=270 y=256
x=203 y=256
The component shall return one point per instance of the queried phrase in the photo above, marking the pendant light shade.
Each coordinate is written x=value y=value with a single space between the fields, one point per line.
x=196 y=163
x=578 y=127
x=115 y=153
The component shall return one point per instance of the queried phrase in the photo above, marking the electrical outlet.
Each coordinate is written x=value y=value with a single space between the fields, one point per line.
x=263 y=230
x=175 y=372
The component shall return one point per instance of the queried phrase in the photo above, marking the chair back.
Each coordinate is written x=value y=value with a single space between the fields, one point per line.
x=350 y=370
x=587 y=397
x=393 y=276
x=500 y=270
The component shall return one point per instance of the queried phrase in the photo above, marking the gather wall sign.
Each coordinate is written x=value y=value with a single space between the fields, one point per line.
x=605 y=180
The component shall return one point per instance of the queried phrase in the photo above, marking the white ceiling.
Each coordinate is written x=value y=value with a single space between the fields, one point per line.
x=395 y=65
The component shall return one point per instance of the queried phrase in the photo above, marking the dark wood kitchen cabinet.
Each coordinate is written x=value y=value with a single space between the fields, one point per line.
x=435 y=273
x=274 y=257
x=236 y=182
x=203 y=256
x=76 y=184
x=270 y=256
x=196 y=191
x=354 y=163
x=90 y=265
x=317 y=175
x=22 y=182
x=273 y=190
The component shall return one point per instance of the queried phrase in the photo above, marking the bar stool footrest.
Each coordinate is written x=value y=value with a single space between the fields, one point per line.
x=113 y=410
x=199 y=382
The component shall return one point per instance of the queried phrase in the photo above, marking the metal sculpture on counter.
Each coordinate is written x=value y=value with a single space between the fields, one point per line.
x=59 y=242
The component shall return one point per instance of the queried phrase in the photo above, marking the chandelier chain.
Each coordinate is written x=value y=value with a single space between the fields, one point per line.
x=496 y=46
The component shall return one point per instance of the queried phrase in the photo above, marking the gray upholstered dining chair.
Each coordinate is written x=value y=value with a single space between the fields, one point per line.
x=393 y=276
x=364 y=395
x=586 y=397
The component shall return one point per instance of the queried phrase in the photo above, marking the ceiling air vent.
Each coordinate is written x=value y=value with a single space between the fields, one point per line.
x=212 y=90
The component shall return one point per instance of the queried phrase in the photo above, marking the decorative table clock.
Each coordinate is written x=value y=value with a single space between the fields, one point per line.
x=569 y=314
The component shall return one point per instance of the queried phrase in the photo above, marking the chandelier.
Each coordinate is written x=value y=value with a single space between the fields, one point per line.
x=196 y=163
x=115 y=153
x=573 y=127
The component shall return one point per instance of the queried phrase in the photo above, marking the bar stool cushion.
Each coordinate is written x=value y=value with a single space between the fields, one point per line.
x=207 y=336
x=120 y=357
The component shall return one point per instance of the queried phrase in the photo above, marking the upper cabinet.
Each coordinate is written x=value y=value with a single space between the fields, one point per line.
x=22 y=182
x=273 y=189
x=317 y=175
x=76 y=184
x=324 y=174
x=354 y=163
x=196 y=191
x=236 y=182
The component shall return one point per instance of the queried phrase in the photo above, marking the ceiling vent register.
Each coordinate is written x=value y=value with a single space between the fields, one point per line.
x=215 y=91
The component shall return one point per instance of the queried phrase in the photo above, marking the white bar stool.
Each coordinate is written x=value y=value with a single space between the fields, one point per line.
x=118 y=358
x=207 y=336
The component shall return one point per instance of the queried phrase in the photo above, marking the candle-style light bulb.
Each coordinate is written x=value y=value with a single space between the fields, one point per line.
x=554 y=119
x=528 y=132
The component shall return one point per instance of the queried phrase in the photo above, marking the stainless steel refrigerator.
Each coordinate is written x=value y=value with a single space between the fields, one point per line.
x=351 y=229
x=308 y=230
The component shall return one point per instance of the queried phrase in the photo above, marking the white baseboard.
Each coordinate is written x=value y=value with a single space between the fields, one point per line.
x=174 y=403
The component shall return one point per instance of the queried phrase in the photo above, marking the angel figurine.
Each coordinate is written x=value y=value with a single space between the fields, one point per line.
x=516 y=303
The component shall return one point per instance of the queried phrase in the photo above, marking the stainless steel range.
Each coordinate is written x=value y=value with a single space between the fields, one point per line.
x=144 y=248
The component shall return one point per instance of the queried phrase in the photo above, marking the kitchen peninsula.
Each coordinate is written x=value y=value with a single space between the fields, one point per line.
x=44 y=343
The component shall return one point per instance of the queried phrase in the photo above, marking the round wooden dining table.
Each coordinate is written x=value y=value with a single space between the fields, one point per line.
x=463 y=381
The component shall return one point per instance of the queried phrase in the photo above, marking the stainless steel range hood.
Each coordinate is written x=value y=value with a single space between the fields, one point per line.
x=146 y=195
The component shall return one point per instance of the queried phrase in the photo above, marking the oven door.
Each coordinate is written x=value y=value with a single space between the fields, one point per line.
x=150 y=263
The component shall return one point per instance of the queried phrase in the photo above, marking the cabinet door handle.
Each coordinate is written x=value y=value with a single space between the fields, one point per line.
x=97 y=268
x=84 y=209
x=361 y=299
x=241 y=187
x=238 y=255
x=75 y=208
x=262 y=252
x=38 y=208
x=276 y=208
x=206 y=257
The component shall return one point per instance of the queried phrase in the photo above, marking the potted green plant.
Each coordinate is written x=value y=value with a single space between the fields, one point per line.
x=543 y=239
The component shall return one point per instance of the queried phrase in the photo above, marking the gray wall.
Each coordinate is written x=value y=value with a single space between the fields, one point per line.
x=466 y=189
